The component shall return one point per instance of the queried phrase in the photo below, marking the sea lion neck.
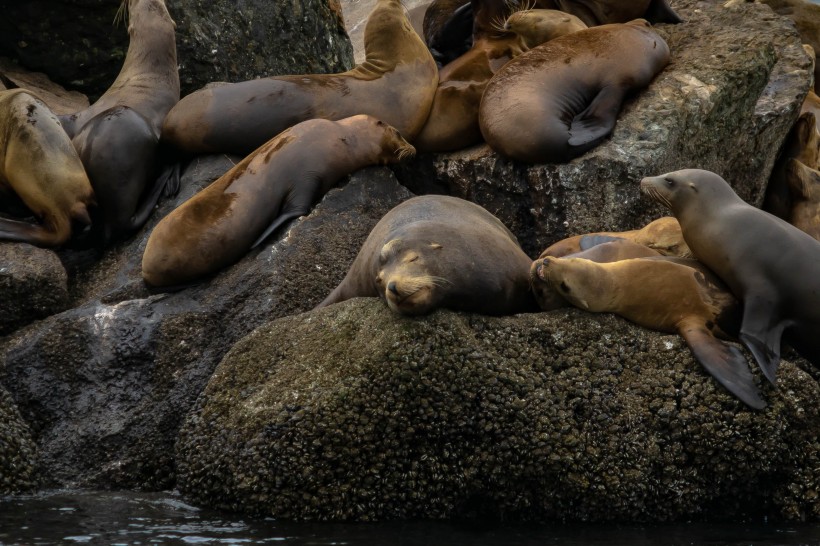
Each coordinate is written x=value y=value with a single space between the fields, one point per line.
x=389 y=41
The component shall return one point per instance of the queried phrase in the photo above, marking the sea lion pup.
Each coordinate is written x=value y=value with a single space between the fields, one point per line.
x=437 y=251
x=279 y=181
x=117 y=136
x=453 y=121
x=804 y=184
x=39 y=164
x=770 y=265
x=662 y=235
x=549 y=298
x=560 y=99
x=801 y=143
x=395 y=84
x=684 y=297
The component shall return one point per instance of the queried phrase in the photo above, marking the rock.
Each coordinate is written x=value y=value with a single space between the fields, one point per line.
x=33 y=285
x=76 y=43
x=354 y=413
x=723 y=104
x=105 y=386
x=55 y=96
x=806 y=18
x=17 y=449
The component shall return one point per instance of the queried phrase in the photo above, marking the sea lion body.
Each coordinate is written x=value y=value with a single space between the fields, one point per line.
x=279 y=181
x=560 y=99
x=117 y=136
x=436 y=251
x=39 y=164
x=684 y=297
x=804 y=183
x=770 y=265
x=801 y=143
x=396 y=84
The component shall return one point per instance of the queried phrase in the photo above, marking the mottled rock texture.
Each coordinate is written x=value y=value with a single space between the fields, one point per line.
x=105 y=386
x=17 y=449
x=723 y=104
x=76 y=43
x=354 y=413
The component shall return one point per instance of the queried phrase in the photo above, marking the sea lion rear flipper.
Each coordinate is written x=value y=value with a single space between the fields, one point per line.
x=589 y=241
x=760 y=332
x=659 y=11
x=725 y=363
x=281 y=219
x=598 y=120
x=169 y=177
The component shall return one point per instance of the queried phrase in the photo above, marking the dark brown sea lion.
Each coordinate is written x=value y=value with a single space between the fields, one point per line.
x=117 y=136
x=770 y=265
x=396 y=84
x=804 y=183
x=279 y=181
x=436 y=251
x=662 y=235
x=560 y=99
x=41 y=167
x=549 y=298
x=665 y=294
x=453 y=121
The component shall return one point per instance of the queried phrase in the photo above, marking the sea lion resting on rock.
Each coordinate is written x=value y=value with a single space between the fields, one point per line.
x=39 y=164
x=279 y=181
x=396 y=84
x=437 y=251
x=665 y=294
x=117 y=136
x=804 y=184
x=560 y=99
x=662 y=235
x=770 y=265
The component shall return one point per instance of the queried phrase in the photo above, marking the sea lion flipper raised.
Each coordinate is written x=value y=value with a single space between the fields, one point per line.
x=725 y=363
x=598 y=119
x=589 y=241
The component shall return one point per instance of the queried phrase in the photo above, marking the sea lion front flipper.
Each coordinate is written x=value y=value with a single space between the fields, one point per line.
x=659 y=11
x=725 y=363
x=281 y=219
x=598 y=119
x=760 y=332
x=589 y=241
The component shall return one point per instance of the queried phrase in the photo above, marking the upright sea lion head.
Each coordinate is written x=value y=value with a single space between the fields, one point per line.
x=142 y=13
x=689 y=189
x=536 y=26
x=408 y=278
x=387 y=144
x=581 y=282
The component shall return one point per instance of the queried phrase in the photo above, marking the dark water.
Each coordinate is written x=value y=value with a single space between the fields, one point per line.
x=163 y=518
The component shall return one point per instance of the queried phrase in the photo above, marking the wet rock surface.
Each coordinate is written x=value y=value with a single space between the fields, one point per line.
x=351 y=412
x=18 y=453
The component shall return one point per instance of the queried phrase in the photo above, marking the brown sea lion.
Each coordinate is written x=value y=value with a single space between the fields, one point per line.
x=40 y=166
x=560 y=99
x=665 y=294
x=662 y=235
x=804 y=183
x=396 y=84
x=549 y=298
x=801 y=143
x=278 y=182
x=806 y=17
x=436 y=251
x=117 y=136
x=770 y=265
x=453 y=121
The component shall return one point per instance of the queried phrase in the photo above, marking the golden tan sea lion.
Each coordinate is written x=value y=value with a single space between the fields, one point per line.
x=804 y=183
x=801 y=143
x=396 y=84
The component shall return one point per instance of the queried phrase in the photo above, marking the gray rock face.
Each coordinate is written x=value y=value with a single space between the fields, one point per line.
x=106 y=385
x=18 y=453
x=351 y=412
x=723 y=104
x=77 y=45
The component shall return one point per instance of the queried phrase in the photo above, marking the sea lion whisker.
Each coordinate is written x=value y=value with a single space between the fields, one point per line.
x=122 y=13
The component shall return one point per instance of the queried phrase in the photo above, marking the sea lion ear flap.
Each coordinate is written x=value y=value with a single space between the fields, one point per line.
x=693 y=187
x=436 y=246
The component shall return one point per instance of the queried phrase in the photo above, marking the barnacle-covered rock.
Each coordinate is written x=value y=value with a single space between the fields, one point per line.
x=17 y=449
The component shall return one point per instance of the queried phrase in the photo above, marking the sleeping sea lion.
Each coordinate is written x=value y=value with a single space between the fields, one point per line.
x=804 y=184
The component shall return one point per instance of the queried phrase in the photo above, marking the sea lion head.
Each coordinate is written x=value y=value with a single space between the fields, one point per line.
x=536 y=26
x=688 y=188
x=581 y=282
x=407 y=279
x=389 y=145
x=138 y=13
x=545 y=294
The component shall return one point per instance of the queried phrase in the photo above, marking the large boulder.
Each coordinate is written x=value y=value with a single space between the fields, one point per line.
x=77 y=44
x=724 y=104
x=18 y=453
x=105 y=385
x=354 y=413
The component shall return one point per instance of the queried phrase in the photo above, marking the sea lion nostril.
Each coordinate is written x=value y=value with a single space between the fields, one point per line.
x=392 y=287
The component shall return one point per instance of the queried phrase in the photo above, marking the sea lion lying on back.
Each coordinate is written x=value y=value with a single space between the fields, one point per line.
x=436 y=251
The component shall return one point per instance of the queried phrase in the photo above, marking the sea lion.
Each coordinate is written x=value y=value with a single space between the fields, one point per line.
x=770 y=265
x=448 y=29
x=453 y=121
x=436 y=251
x=279 y=181
x=39 y=165
x=396 y=84
x=560 y=99
x=665 y=294
x=662 y=235
x=804 y=184
x=117 y=136
x=801 y=143
x=549 y=298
